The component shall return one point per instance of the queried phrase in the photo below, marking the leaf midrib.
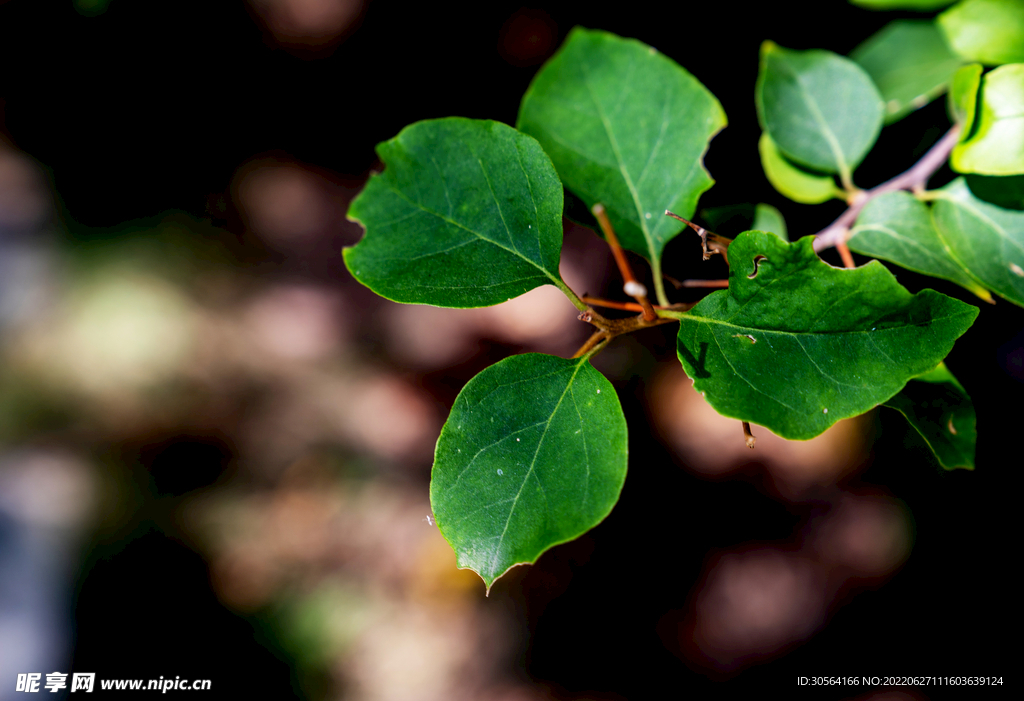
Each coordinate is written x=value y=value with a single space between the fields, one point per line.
x=830 y=137
x=554 y=278
x=533 y=463
x=709 y=320
x=622 y=165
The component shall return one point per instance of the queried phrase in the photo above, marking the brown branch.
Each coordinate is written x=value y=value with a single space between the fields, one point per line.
x=595 y=339
x=631 y=287
x=607 y=329
x=913 y=179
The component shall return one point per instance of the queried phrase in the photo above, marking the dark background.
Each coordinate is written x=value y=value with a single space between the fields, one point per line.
x=152 y=106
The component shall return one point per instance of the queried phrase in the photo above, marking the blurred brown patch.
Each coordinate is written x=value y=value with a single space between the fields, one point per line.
x=308 y=28
x=713 y=445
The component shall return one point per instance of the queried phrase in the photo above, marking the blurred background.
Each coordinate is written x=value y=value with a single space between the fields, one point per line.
x=215 y=446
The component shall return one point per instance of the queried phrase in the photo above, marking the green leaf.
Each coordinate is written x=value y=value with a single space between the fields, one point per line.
x=820 y=109
x=728 y=220
x=795 y=345
x=996 y=144
x=767 y=218
x=919 y=5
x=732 y=219
x=1006 y=192
x=467 y=213
x=939 y=408
x=532 y=455
x=990 y=31
x=963 y=97
x=898 y=227
x=910 y=64
x=986 y=240
x=627 y=127
x=796 y=184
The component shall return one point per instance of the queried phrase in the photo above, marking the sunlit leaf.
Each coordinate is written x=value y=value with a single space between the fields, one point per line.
x=796 y=184
x=898 y=227
x=795 y=345
x=821 y=110
x=627 y=127
x=990 y=31
x=995 y=145
x=532 y=455
x=467 y=213
x=910 y=64
x=963 y=97
x=987 y=240
x=939 y=408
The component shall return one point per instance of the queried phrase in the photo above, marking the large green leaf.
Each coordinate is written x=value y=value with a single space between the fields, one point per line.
x=467 y=213
x=995 y=145
x=910 y=64
x=796 y=184
x=821 y=110
x=986 y=240
x=532 y=455
x=939 y=408
x=627 y=127
x=795 y=345
x=990 y=31
x=898 y=227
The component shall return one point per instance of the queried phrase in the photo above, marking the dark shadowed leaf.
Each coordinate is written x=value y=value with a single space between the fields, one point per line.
x=821 y=110
x=898 y=227
x=939 y=408
x=910 y=64
x=627 y=127
x=467 y=213
x=1002 y=191
x=795 y=345
x=919 y=5
x=731 y=220
x=532 y=455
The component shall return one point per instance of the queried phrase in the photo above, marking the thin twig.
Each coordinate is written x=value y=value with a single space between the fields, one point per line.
x=631 y=306
x=632 y=287
x=844 y=253
x=751 y=440
x=710 y=242
x=609 y=304
x=591 y=344
x=914 y=178
x=704 y=283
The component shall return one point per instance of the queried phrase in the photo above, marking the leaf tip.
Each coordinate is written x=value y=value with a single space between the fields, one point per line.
x=984 y=295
